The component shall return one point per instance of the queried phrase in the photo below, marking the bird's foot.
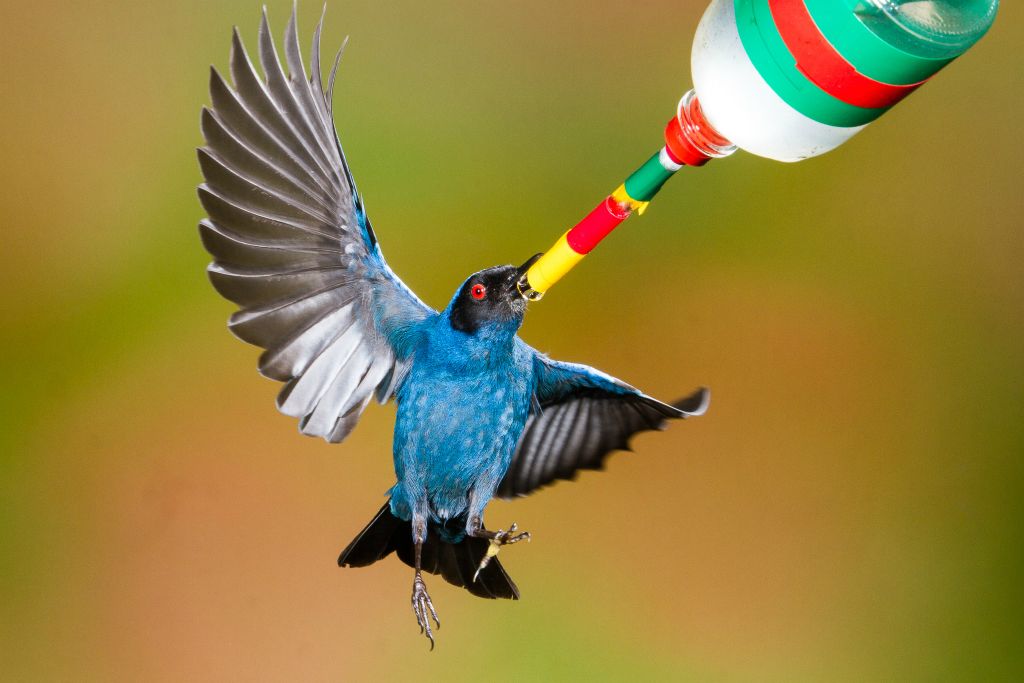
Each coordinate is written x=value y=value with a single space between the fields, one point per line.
x=423 y=608
x=501 y=538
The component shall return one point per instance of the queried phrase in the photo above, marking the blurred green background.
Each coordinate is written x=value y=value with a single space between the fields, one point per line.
x=848 y=510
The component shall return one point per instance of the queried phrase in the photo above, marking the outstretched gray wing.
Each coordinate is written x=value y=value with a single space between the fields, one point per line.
x=581 y=415
x=291 y=242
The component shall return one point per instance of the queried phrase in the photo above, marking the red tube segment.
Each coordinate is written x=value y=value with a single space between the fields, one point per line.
x=596 y=225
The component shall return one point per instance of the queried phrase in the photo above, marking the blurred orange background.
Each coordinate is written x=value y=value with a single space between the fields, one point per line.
x=848 y=509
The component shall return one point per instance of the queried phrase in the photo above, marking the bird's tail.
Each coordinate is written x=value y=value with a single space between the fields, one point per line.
x=455 y=562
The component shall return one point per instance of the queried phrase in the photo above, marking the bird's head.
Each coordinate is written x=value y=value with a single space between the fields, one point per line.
x=490 y=298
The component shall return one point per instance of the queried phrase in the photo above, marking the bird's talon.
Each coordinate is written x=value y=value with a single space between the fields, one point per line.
x=509 y=537
x=501 y=538
x=423 y=608
x=525 y=536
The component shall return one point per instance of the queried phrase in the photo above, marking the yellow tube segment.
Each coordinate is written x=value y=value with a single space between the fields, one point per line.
x=622 y=197
x=549 y=268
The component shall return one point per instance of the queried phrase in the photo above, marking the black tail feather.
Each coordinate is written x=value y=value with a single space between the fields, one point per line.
x=455 y=562
x=374 y=542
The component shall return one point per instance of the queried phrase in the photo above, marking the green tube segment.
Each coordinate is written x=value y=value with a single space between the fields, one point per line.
x=645 y=182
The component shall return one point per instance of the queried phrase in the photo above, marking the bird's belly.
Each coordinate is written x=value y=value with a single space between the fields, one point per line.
x=454 y=437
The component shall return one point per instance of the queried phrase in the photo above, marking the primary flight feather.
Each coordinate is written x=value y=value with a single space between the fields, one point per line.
x=479 y=413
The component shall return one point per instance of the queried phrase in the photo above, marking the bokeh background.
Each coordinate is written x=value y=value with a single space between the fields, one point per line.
x=848 y=510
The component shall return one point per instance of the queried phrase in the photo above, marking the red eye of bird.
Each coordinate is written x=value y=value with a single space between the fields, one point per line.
x=478 y=291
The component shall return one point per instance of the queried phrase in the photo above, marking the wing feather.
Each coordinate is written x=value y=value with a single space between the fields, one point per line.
x=291 y=243
x=292 y=356
x=257 y=225
x=285 y=103
x=243 y=251
x=302 y=398
x=239 y=111
x=245 y=191
x=234 y=152
x=584 y=415
x=303 y=93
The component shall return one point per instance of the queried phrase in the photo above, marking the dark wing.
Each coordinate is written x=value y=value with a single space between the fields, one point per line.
x=291 y=242
x=582 y=415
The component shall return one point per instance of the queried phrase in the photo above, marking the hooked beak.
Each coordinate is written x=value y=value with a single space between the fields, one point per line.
x=521 y=270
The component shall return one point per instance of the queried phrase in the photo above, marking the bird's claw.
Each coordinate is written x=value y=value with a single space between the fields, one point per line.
x=423 y=608
x=501 y=538
x=509 y=537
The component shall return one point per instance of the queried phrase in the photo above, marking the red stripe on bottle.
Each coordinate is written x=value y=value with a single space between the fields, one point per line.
x=596 y=225
x=824 y=66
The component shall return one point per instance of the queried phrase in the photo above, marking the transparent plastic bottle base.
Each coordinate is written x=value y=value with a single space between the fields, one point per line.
x=793 y=79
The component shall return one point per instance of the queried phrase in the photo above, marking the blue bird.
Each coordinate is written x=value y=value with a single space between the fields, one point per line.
x=479 y=413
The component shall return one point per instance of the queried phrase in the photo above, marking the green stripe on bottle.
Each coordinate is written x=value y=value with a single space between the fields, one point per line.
x=776 y=65
x=645 y=181
x=866 y=52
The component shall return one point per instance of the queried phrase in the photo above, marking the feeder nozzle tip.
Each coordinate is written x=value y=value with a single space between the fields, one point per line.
x=523 y=280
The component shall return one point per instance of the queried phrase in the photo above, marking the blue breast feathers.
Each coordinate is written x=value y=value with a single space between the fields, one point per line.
x=461 y=410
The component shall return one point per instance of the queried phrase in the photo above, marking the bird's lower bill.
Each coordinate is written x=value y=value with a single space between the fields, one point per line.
x=527 y=291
